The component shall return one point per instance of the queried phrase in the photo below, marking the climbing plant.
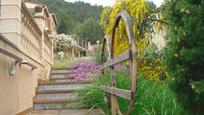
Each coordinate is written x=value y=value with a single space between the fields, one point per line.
x=146 y=18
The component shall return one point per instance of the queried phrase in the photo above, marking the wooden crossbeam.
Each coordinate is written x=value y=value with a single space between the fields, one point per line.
x=122 y=57
x=118 y=92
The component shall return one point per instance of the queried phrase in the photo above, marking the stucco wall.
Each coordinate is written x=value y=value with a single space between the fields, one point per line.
x=17 y=92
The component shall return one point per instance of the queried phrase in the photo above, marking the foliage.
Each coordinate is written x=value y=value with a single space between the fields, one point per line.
x=62 y=43
x=75 y=16
x=144 y=23
x=152 y=64
x=90 y=30
x=92 y=96
x=153 y=98
x=58 y=64
x=184 y=51
x=98 y=55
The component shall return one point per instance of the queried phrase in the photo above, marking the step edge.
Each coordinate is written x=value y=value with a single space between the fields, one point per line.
x=54 y=101
x=63 y=83
x=55 y=91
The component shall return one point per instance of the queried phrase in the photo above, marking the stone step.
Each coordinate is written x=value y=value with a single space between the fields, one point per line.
x=54 y=91
x=68 y=112
x=57 y=96
x=58 y=106
x=71 y=81
x=66 y=71
x=56 y=76
x=62 y=86
x=63 y=82
x=53 y=101
x=60 y=78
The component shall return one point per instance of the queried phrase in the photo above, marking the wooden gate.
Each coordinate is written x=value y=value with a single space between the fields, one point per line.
x=129 y=55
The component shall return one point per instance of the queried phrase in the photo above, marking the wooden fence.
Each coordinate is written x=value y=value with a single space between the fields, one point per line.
x=129 y=55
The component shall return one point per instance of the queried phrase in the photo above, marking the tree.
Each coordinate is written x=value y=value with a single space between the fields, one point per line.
x=90 y=30
x=145 y=18
x=69 y=14
x=62 y=28
x=185 y=51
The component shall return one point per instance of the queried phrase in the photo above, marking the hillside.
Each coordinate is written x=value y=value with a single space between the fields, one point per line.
x=73 y=18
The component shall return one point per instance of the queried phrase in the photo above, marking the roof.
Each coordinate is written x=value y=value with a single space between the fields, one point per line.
x=45 y=8
x=54 y=18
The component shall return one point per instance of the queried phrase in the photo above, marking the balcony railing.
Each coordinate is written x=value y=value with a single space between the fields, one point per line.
x=48 y=49
x=30 y=35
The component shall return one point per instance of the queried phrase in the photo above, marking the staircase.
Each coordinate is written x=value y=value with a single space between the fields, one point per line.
x=59 y=93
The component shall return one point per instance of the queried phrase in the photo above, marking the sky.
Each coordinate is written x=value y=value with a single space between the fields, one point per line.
x=109 y=2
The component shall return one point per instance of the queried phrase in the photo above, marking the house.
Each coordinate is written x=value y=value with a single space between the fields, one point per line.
x=27 y=31
x=77 y=49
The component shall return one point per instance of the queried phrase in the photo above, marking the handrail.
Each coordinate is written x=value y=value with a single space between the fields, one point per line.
x=29 y=64
x=8 y=42
x=17 y=59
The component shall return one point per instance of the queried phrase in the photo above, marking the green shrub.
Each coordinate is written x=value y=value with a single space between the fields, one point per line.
x=97 y=55
x=153 y=98
x=92 y=96
x=184 y=51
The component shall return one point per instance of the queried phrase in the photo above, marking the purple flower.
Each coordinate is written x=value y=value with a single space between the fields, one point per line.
x=84 y=69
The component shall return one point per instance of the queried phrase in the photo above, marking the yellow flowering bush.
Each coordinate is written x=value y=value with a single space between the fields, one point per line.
x=144 y=23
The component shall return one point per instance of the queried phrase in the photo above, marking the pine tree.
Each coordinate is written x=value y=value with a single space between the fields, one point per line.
x=185 y=51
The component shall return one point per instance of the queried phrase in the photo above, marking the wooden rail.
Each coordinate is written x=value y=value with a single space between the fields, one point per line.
x=126 y=94
x=122 y=57
x=129 y=55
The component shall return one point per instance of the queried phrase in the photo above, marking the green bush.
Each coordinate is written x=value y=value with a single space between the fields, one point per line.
x=153 y=98
x=184 y=51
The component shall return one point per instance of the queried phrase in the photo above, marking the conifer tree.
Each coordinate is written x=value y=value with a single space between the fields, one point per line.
x=185 y=51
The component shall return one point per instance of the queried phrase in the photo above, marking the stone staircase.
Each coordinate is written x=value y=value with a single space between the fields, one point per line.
x=59 y=92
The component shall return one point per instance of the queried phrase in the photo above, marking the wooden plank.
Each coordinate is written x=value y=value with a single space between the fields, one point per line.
x=113 y=105
x=122 y=57
x=118 y=92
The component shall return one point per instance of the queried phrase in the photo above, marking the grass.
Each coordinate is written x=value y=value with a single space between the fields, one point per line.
x=153 y=98
x=58 y=64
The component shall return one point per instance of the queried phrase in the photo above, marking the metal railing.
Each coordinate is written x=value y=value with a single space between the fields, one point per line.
x=18 y=60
